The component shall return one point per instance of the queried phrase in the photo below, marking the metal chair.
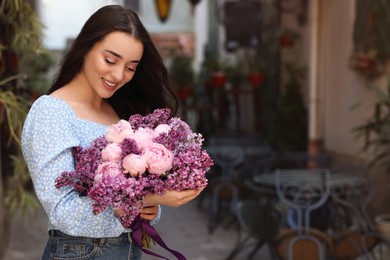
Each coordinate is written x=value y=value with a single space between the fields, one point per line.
x=225 y=188
x=303 y=190
x=259 y=224
x=354 y=191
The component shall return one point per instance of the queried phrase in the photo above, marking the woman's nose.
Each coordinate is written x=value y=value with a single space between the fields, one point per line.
x=117 y=74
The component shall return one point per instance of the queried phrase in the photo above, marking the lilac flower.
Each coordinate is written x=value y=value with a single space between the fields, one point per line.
x=178 y=164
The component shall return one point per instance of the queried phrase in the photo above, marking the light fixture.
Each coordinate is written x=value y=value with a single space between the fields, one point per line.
x=163 y=8
x=194 y=2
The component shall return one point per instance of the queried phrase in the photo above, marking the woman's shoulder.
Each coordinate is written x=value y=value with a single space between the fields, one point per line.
x=51 y=108
x=47 y=103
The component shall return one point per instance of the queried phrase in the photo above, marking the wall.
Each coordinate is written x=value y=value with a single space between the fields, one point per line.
x=64 y=19
x=343 y=90
x=347 y=97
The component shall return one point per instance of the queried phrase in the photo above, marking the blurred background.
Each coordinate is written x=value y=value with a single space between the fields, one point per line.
x=291 y=96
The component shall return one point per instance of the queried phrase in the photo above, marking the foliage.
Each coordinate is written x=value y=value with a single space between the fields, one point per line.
x=14 y=109
x=181 y=71
x=371 y=38
x=288 y=125
x=234 y=74
x=23 y=61
x=234 y=70
x=253 y=61
x=375 y=131
x=212 y=64
x=21 y=51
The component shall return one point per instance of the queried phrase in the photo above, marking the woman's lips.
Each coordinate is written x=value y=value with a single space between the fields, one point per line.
x=109 y=85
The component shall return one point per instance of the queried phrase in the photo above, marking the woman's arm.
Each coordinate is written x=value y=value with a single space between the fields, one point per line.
x=47 y=139
x=171 y=198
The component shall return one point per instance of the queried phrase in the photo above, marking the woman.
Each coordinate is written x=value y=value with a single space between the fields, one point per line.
x=112 y=71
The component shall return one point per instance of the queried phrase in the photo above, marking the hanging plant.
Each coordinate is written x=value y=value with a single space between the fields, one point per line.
x=256 y=78
x=287 y=38
x=371 y=38
x=216 y=72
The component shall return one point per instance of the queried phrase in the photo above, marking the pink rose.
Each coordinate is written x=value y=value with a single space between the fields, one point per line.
x=163 y=128
x=143 y=137
x=98 y=178
x=111 y=169
x=134 y=164
x=116 y=133
x=158 y=158
x=112 y=153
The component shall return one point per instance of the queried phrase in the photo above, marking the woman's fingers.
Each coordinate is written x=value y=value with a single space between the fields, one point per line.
x=118 y=212
x=149 y=213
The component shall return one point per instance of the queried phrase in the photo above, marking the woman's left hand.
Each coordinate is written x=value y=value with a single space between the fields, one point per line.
x=149 y=212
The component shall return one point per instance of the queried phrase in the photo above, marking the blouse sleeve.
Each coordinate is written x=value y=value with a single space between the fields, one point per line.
x=47 y=138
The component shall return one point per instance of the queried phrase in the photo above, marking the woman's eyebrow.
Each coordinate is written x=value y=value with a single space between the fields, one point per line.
x=119 y=56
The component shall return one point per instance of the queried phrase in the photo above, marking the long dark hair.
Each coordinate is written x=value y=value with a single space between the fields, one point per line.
x=149 y=89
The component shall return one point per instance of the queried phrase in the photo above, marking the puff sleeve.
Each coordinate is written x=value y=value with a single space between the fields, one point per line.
x=49 y=133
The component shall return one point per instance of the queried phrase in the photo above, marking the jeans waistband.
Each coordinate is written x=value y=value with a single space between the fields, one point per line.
x=124 y=237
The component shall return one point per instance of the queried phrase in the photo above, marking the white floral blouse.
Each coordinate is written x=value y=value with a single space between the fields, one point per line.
x=50 y=131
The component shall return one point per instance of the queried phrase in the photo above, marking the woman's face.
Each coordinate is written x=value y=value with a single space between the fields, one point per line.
x=111 y=63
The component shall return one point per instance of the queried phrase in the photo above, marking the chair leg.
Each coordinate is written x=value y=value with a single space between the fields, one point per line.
x=254 y=250
x=238 y=247
x=215 y=203
x=213 y=210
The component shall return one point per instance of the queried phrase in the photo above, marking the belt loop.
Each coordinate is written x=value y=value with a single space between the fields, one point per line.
x=101 y=242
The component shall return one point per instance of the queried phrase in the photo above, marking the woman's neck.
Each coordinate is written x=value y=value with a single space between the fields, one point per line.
x=78 y=91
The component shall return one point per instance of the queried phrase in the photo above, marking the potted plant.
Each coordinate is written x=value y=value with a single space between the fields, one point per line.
x=14 y=178
x=14 y=109
x=256 y=78
x=287 y=38
x=235 y=77
x=375 y=131
x=383 y=224
x=371 y=50
x=216 y=71
x=182 y=73
x=255 y=69
x=20 y=50
x=290 y=111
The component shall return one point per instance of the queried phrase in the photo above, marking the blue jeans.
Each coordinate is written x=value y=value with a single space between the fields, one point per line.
x=61 y=246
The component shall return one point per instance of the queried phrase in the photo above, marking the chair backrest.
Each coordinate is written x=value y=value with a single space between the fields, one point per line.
x=303 y=190
x=257 y=164
x=227 y=157
x=259 y=219
x=352 y=189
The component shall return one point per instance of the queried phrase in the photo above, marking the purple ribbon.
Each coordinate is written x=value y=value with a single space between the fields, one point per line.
x=140 y=224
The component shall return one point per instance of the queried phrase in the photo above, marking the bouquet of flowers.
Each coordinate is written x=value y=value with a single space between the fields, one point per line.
x=144 y=155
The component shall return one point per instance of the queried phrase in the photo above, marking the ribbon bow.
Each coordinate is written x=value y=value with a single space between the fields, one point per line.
x=138 y=226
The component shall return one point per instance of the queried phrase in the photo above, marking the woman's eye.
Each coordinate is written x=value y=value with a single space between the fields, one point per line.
x=130 y=69
x=109 y=61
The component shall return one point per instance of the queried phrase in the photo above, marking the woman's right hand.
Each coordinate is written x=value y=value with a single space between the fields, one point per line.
x=171 y=198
